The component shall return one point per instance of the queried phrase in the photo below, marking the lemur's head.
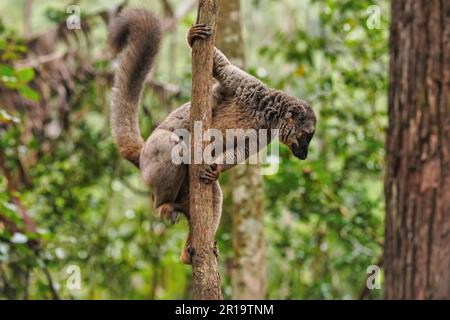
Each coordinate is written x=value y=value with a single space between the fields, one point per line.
x=297 y=127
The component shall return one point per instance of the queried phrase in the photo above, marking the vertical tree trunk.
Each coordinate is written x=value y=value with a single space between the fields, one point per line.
x=206 y=278
x=27 y=12
x=417 y=185
x=248 y=274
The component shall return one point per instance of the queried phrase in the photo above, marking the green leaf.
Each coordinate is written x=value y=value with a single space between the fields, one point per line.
x=29 y=93
x=6 y=71
x=8 y=76
x=26 y=75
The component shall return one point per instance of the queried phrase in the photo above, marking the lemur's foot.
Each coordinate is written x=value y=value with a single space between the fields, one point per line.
x=167 y=212
x=210 y=173
x=216 y=249
x=198 y=31
x=186 y=255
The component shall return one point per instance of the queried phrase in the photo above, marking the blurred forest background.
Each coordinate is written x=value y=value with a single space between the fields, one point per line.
x=69 y=203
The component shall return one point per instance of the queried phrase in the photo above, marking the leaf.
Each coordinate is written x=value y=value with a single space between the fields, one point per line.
x=6 y=71
x=300 y=71
x=29 y=93
x=26 y=75
x=8 y=76
x=20 y=48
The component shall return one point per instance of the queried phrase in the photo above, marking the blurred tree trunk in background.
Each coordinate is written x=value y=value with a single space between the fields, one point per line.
x=417 y=185
x=248 y=274
x=27 y=13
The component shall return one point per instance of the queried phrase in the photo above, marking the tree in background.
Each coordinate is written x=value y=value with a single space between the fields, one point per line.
x=417 y=186
x=244 y=186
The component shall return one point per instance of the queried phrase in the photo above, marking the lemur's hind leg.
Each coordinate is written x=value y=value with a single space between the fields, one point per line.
x=182 y=201
x=188 y=250
x=164 y=177
x=183 y=204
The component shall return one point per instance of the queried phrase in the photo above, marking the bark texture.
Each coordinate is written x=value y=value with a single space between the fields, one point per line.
x=206 y=278
x=248 y=272
x=417 y=184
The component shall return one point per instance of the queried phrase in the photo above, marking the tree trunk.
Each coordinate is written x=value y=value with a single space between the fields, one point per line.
x=206 y=278
x=417 y=185
x=248 y=273
x=27 y=12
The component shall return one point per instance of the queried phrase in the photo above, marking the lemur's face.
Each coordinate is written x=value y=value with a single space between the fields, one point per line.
x=299 y=126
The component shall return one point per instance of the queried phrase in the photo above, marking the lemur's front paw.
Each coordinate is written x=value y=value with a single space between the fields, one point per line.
x=167 y=212
x=210 y=174
x=198 y=31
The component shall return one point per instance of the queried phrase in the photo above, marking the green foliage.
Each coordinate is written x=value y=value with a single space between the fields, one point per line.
x=12 y=49
x=55 y=15
x=332 y=204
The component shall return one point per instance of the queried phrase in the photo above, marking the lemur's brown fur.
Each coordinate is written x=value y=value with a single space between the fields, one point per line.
x=240 y=102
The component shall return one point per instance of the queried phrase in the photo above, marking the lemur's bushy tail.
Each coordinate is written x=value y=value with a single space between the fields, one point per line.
x=136 y=35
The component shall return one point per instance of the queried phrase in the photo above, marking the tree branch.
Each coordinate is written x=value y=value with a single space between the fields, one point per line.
x=168 y=9
x=27 y=12
x=180 y=13
x=206 y=278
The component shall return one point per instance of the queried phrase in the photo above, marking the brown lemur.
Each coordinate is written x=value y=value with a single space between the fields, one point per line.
x=240 y=102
